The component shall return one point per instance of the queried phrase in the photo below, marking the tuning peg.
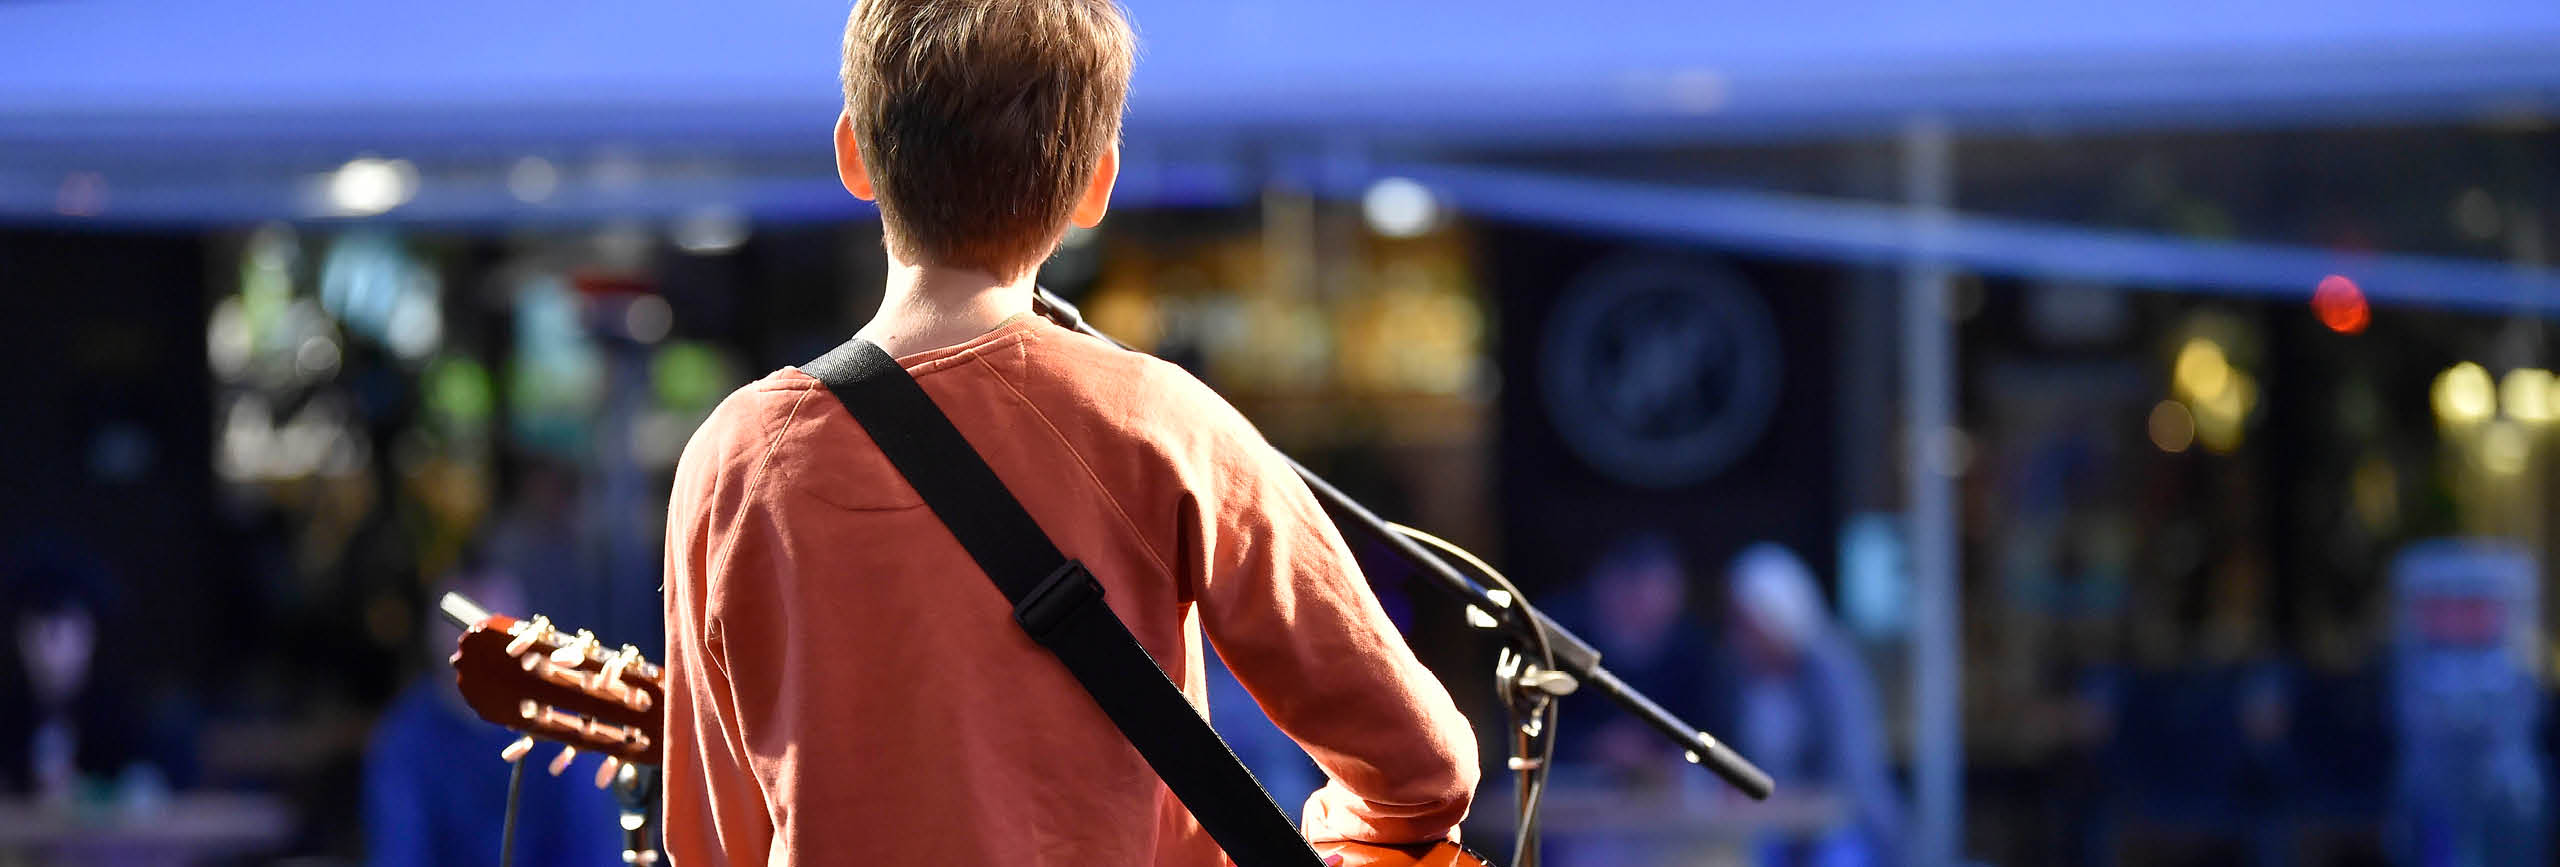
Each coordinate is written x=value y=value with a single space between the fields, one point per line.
x=527 y=634
x=608 y=683
x=605 y=772
x=561 y=762
x=636 y=700
x=574 y=653
x=515 y=752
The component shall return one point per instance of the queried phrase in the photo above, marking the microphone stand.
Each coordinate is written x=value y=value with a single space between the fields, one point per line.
x=1541 y=662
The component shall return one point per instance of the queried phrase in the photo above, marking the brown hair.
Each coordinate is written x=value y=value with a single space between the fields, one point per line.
x=981 y=121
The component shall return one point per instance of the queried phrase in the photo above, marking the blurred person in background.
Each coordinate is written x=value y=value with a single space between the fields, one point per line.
x=2470 y=782
x=1634 y=608
x=66 y=734
x=435 y=790
x=1805 y=708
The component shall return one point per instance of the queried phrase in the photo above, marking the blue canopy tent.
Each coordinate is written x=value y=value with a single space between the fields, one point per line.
x=211 y=112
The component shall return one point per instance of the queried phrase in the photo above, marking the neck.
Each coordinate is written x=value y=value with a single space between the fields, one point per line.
x=930 y=306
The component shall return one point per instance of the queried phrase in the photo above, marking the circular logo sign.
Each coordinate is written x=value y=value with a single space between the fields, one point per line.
x=1660 y=372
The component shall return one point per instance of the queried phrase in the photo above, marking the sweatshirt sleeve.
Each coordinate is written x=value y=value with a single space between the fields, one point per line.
x=715 y=811
x=1287 y=608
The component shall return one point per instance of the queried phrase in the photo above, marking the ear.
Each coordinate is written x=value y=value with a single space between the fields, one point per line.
x=849 y=167
x=1097 y=192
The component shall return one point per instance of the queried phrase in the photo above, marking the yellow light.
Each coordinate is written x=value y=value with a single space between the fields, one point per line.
x=2377 y=493
x=2464 y=395
x=2222 y=422
x=2173 y=426
x=2526 y=394
x=2202 y=370
x=2504 y=449
x=2239 y=396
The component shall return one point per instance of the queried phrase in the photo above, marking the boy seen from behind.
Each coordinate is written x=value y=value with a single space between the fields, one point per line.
x=844 y=685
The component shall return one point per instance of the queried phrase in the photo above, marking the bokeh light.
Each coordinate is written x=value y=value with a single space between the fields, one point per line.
x=2172 y=426
x=532 y=180
x=1400 y=208
x=367 y=186
x=2504 y=449
x=2526 y=394
x=648 y=319
x=2203 y=371
x=2341 y=305
x=2464 y=395
x=2377 y=492
x=2222 y=420
x=2216 y=396
x=710 y=230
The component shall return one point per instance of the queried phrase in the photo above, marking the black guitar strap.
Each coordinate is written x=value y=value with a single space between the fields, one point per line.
x=1060 y=605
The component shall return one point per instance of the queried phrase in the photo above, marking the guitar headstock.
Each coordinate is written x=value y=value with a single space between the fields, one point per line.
x=528 y=676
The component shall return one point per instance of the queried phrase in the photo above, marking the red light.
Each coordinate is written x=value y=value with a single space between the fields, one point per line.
x=2341 y=306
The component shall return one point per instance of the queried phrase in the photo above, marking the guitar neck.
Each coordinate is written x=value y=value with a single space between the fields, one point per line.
x=462 y=611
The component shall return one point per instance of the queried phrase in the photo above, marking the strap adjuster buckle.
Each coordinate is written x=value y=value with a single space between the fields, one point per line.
x=1062 y=595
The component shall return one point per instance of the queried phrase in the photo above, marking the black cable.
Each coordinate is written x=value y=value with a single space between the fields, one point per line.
x=1533 y=772
x=507 y=839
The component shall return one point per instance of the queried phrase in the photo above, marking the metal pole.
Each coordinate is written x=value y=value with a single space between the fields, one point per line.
x=1931 y=460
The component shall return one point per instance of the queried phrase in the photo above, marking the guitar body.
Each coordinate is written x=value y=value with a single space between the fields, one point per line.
x=1442 y=854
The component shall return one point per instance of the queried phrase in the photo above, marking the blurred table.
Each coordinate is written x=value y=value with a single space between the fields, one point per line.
x=1582 y=810
x=1668 y=825
x=185 y=829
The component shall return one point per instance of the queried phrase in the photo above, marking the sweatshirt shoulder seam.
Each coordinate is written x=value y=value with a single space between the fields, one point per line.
x=1108 y=496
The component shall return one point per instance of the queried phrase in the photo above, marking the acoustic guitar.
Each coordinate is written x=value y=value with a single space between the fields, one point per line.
x=568 y=688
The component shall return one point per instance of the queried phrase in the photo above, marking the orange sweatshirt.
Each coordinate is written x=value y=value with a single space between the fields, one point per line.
x=846 y=687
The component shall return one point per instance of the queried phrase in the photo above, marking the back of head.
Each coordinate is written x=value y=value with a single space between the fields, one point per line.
x=1640 y=590
x=1774 y=590
x=982 y=121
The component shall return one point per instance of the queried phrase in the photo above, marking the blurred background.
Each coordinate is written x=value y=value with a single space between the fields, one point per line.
x=2038 y=433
